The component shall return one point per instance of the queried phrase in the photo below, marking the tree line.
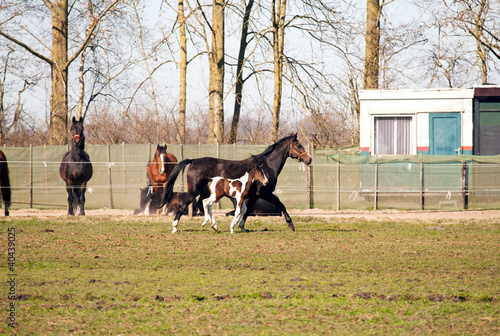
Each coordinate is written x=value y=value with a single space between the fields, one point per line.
x=133 y=68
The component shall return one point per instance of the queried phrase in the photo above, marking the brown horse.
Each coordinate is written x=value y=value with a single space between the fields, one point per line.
x=5 y=182
x=159 y=169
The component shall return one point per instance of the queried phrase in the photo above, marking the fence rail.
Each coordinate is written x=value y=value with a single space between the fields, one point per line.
x=120 y=171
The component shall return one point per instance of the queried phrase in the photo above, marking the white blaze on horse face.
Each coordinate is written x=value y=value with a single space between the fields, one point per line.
x=162 y=167
x=265 y=178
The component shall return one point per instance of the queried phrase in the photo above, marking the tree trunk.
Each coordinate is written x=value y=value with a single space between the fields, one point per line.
x=479 y=19
x=59 y=95
x=81 y=95
x=278 y=16
x=239 y=73
x=181 y=135
x=216 y=85
x=372 y=48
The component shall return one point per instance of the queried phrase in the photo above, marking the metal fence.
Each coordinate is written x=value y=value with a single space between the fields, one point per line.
x=329 y=183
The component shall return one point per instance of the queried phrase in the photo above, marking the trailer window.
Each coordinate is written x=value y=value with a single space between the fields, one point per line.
x=392 y=135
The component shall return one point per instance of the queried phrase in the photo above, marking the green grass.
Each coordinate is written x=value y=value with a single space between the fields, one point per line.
x=123 y=275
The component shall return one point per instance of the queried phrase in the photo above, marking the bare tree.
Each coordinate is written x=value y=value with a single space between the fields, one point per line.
x=465 y=37
x=479 y=19
x=59 y=60
x=240 y=80
x=216 y=81
x=181 y=128
x=278 y=16
x=372 y=38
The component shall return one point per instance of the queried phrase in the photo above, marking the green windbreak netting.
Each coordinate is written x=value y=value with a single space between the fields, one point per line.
x=351 y=159
x=335 y=180
x=426 y=181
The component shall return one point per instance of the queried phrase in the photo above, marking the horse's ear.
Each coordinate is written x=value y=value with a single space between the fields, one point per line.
x=73 y=120
x=157 y=146
x=81 y=120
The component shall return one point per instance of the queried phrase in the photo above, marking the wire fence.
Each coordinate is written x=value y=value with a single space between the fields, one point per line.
x=120 y=172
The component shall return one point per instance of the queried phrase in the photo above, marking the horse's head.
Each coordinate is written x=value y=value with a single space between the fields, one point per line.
x=161 y=157
x=298 y=152
x=257 y=174
x=76 y=131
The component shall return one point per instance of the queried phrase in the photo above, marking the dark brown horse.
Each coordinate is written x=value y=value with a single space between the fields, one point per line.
x=201 y=170
x=76 y=169
x=5 y=182
x=159 y=169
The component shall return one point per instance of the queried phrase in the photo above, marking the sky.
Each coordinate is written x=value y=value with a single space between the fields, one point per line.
x=166 y=80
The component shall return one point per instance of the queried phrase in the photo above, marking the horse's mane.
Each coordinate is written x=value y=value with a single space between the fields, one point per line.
x=260 y=157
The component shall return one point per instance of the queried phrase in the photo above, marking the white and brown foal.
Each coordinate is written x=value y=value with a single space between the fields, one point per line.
x=234 y=188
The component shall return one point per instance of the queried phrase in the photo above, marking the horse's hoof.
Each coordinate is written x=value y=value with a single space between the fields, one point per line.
x=291 y=227
x=215 y=227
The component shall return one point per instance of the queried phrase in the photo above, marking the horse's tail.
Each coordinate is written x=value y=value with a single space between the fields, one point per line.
x=168 y=191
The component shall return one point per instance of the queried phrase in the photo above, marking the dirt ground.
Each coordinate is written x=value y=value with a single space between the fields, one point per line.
x=476 y=215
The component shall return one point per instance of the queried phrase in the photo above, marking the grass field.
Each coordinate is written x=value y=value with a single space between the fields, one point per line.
x=129 y=275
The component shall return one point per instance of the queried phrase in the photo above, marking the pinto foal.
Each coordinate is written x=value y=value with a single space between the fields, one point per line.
x=234 y=188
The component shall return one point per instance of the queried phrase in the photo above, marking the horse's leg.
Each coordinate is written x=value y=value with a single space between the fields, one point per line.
x=214 y=224
x=81 y=198
x=158 y=189
x=146 y=208
x=273 y=199
x=206 y=205
x=237 y=212
x=249 y=205
x=6 y=198
x=182 y=207
x=240 y=216
x=69 y=190
x=77 y=195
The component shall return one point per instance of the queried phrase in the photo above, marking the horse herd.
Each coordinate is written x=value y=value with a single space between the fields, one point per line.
x=248 y=182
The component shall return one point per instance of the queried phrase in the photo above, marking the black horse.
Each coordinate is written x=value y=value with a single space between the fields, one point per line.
x=203 y=169
x=76 y=169
x=5 y=182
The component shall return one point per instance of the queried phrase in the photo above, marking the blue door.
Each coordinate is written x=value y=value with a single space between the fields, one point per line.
x=445 y=134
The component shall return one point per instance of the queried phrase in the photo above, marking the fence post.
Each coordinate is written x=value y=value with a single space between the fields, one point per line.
x=308 y=179
x=147 y=163
x=376 y=187
x=338 y=185
x=31 y=177
x=181 y=149
x=124 y=180
x=464 y=186
x=421 y=186
x=218 y=157
x=109 y=179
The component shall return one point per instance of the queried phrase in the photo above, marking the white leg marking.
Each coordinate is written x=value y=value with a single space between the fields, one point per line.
x=146 y=209
x=174 y=226
x=237 y=212
x=205 y=209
